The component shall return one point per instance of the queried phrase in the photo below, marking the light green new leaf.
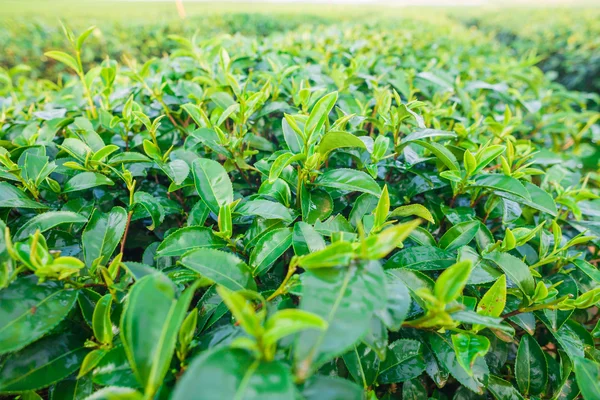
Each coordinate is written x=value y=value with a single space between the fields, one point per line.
x=319 y=114
x=413 y=209
x=336 y=254
x=242 y=310
x=290 y=321
x=380 y=245
x=383 y=208
x=64 y=58
x=493 y=301
x=281 y=162
x=450 y=284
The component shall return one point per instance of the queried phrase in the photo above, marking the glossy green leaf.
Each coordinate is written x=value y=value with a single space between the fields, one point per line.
x=72 y=389
x=46 y=221
x=349 y=180
x=212 y=183
x=30 y=310
x=149 y=328
x=43 y=363
x=319 y=114
x=503 y=390
x=223 y=268
x=152 y=207
x=516 y=270
x=269 y=248
x=444 y=352
x=459 y=235
x=503 y=183
x=114 y=369
x=306 y=239
x=344 y=298
x=398 y=302
x=363 y=364
x=404 y=361
x=86 y=180
x=266 y=209
x=338 y=139
x=12 y=197
x=234 y=374
x=422 y=258
x=101 y=322
x=450 y=284
x=587 y=373
x=185 y=239
x=468 y=348
x=531 y=368
x=102 y=234
x=441 y=152
x=321 y=387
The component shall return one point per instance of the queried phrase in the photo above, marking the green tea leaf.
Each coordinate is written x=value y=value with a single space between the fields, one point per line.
x=212 y=183
x=349 y=180
x=30 y=310
x=223 y=268
x=531 y=368
x=149 y=328
x=233 y=373
x=43 y=363
x=102 y=234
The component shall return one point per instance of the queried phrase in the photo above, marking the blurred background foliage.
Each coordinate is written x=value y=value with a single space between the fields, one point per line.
x=564 y=42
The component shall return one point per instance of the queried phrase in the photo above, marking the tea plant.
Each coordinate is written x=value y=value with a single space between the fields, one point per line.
x=335 y=212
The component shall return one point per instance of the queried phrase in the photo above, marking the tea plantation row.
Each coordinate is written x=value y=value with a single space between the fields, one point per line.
x=394 y=209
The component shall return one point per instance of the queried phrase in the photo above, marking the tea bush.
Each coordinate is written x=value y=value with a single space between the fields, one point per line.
x=566 y=42
x=355 y=210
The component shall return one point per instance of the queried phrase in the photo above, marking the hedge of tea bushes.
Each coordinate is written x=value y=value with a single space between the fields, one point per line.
x=352 y=210
x=565 y=41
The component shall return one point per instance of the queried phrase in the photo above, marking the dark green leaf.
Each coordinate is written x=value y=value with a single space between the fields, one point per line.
x=29 y=310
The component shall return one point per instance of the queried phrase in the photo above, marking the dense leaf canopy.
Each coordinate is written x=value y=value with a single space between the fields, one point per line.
x=338 y=211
